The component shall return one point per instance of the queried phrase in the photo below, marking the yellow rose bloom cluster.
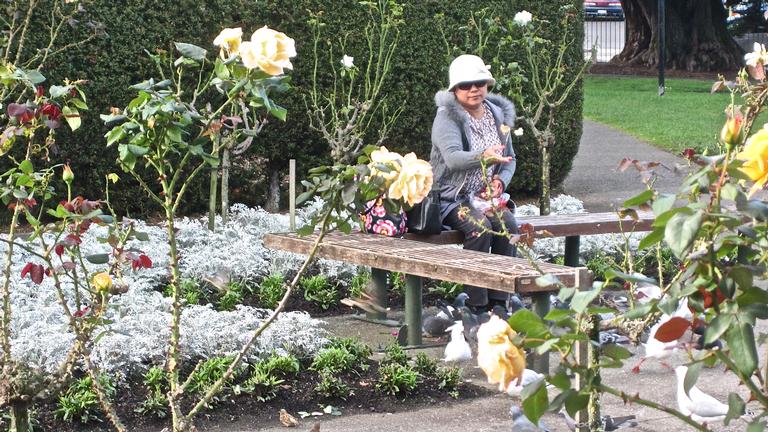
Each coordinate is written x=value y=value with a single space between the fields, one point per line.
x=410 y=178
x=497 y=356
x=268 y=50
x=755 y=157
x=102 y=281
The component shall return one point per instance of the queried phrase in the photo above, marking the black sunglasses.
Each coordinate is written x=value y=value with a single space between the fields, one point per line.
x=468 y=85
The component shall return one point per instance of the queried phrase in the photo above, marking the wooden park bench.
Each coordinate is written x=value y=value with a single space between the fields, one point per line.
x=435 y=257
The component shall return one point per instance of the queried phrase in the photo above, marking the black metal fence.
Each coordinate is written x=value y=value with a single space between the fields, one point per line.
x=608 y=37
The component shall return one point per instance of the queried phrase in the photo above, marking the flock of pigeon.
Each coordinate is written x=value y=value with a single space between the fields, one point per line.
x=463 y=325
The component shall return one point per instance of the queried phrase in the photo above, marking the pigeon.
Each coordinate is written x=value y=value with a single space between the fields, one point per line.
x=520 y=422
x=515 y=304
x=655 y=348
x=500 y=312
x=556 y=303
x=700 y=406
x=460 y=300
x=529 y=376
x=609 y=423
x=612 y=337
x=483 y=317
x=470 y=322
x=457 y=349
x=435 y=325
x=447 y=311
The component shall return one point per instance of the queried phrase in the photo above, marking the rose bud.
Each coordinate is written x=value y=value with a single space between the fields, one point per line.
x=102 y=281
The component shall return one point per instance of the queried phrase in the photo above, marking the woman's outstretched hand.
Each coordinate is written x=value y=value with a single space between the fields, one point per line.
x=493 y=155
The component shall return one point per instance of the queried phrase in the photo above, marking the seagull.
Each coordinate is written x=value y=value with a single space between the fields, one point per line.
x=529 y=377
x=645 y=292
x=700 y=406
x=655 y=348
x=457 y=349
x=520 y=422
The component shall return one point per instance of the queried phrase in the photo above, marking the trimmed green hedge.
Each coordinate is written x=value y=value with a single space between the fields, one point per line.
x=115 y=62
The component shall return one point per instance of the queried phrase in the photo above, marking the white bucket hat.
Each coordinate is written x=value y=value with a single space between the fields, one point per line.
x=469 y=68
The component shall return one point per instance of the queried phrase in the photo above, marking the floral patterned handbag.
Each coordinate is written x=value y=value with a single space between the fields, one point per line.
x=377 y=220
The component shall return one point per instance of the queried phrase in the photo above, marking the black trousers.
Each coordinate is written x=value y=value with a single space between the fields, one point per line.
x=474 y=240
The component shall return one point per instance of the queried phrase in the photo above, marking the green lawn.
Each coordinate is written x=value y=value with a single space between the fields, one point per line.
x=686 y=116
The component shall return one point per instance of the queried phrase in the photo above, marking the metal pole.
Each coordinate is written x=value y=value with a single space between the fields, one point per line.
x=662 y=40
x=413 y=308
x=292 y=194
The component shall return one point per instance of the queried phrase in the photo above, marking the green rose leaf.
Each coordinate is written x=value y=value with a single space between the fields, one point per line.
x=98 y=258
x=756 y=426
x=72 y=116
x=26 y=166
x=736 y=407
x=582 y=299
x=741 y=341
x=190 y=51
x=681 y=231
x=58 y=91
x=717 y=327
x=691 y=376
x=535 y=400
x=528 y=322
x=641 y=198
x=663 y=203
x=651 y=239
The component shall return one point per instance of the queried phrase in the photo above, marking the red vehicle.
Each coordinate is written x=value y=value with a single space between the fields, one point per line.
x=596 y=9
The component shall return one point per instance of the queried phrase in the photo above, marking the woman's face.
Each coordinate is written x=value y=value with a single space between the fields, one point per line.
x=471 y=94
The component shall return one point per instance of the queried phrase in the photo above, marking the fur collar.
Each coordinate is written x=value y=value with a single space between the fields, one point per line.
x=446 y=100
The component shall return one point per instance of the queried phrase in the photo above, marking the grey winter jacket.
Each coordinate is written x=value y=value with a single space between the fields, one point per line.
x=451 y=158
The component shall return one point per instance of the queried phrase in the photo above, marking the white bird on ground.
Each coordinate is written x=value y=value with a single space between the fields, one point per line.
x=655 y=348
x=529 y=376
x=520 y=422
x=702 y=407
x=457 y=349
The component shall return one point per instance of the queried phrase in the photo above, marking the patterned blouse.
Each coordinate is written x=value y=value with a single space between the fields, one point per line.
x=484 y=135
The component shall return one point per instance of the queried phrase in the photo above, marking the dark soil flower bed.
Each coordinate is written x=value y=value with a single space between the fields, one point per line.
x=295 y=395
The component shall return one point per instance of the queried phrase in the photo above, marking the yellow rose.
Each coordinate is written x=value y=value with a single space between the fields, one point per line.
x=229 y=41
x=102 y=281
x=755 y=157
x=414 y=182
x=269 y=50
x=497 y=356
x=382 y=156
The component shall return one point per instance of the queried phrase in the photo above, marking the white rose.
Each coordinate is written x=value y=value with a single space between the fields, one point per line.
x=523 y=18
x=518 y=132
x=348 y=61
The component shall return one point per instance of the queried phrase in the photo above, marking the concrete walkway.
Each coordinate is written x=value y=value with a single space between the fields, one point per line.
x=595 y=178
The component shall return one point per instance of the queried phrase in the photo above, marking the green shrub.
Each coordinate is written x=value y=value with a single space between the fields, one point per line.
x=396 y=379
x=331 y=386
x=334 y=360
x=279 y=365
x=601 y=263
x=191 y=291
x=261 y=384
x=207 y=373
x=80 y=401
x=271 y=290
x=425 y=365
x=319 y=291
x=357 y=348
x=447 y=290
x=394 y=353
x=449 y=379
x=156 y=403
x=359 y=283
x=232 y=295
x=397 y=283
x=419 y=69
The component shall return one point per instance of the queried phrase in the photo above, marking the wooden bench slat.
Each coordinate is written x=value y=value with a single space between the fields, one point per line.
x=559 y=225
x=421 y=259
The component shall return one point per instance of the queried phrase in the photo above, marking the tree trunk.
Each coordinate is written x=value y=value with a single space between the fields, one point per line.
x=273 y=192
x=544 y=207
x=19 y=417
x=696 y=37
x=212 y=199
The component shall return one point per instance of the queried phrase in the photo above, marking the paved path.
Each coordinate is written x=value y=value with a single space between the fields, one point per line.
x=595 y=178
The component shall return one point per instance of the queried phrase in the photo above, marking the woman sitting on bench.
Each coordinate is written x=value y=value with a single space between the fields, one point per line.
x=471 y=125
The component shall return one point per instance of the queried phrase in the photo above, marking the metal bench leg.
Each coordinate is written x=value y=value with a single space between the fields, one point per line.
x=572 y=251
x=541 y=305
x=378 y=292
x=413 y=308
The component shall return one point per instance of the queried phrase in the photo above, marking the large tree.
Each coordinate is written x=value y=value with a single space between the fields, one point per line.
x=696 y=36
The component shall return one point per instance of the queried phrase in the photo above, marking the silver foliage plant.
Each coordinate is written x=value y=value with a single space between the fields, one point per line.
x=141 y=317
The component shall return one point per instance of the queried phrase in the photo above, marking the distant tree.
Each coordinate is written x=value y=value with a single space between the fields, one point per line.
x=696 y=36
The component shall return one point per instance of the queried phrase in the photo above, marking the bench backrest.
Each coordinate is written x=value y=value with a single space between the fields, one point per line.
x=559 y=225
